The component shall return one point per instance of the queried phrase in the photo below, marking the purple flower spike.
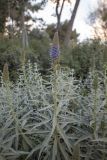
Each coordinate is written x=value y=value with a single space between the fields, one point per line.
x=54 y=51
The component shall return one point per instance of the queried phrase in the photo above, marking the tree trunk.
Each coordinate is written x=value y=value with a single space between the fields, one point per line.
x=25 y=43
x=71 y=22
x=59 y=14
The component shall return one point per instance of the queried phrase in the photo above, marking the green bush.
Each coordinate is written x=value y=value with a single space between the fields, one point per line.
x=11 y=52
x=85 y=56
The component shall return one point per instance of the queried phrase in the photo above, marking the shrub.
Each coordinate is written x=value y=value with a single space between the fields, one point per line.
x=53 y=118
x=11 y=52
x=85 y=56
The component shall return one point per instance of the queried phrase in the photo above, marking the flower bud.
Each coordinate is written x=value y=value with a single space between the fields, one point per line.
x=5 y=73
